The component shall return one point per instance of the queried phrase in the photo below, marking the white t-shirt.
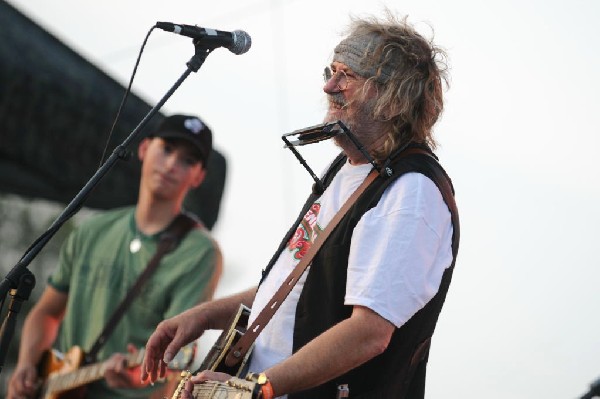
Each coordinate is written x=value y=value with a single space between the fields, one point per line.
x=399 y=251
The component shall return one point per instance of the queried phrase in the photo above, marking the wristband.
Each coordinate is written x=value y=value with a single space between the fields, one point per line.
x=266 y=389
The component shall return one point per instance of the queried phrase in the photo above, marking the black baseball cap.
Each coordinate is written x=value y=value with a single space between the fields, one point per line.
x=190 y=128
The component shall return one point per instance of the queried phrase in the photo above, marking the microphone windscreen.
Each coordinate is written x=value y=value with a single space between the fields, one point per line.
x=241 y=42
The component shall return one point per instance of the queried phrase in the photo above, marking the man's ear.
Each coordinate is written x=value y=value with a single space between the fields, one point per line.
x=143 y=147
x=198 y=177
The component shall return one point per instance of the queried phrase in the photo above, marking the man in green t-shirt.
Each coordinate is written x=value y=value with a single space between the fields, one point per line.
x=101 y=260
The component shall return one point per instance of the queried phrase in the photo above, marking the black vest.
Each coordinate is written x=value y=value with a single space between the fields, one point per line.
x=399 y=372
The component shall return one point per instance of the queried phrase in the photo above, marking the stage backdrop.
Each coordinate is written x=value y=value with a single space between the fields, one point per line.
x=56 y=110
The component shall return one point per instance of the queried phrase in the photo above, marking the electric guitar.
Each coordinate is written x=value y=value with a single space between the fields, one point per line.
x=63 y=374
x=234 y=388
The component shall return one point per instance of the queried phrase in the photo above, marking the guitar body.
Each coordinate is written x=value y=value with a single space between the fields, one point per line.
x=55 y=364
x=215 y=359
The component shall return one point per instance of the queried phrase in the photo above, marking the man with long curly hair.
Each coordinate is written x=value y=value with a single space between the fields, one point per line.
x=358 y=322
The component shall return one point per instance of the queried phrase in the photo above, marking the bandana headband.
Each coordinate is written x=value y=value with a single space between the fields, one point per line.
x=356 y=51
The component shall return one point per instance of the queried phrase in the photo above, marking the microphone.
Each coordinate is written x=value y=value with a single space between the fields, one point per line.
x=238 y=42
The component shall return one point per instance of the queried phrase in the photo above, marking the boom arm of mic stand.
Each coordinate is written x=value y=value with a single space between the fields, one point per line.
x=14 y=276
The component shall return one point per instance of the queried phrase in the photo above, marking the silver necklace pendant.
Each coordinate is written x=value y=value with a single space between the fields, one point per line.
x=135 y=245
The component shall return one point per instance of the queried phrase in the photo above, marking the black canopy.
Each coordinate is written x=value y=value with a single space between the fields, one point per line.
x=56 y=110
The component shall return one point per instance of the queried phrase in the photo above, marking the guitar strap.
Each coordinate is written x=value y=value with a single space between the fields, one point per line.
x=243 y=345
x=168 y=241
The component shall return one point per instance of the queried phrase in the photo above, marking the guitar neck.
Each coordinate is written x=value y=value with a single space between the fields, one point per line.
x=86 y=374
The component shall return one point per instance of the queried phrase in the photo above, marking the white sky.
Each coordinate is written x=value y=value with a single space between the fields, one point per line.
x=519 y=137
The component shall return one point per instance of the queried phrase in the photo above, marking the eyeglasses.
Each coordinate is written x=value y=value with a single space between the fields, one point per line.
x=341 y=79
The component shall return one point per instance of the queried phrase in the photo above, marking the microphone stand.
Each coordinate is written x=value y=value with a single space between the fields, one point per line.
x=20 y=281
